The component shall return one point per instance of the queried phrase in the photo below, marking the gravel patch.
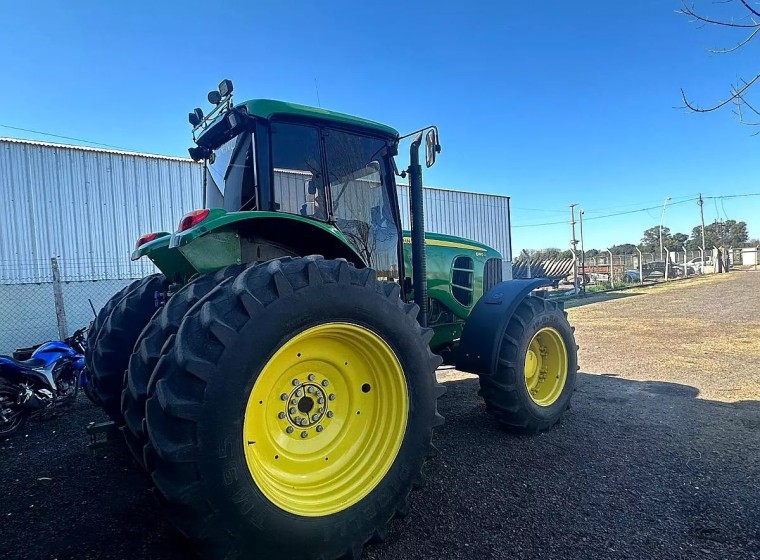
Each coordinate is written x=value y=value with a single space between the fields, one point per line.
x=657 y=458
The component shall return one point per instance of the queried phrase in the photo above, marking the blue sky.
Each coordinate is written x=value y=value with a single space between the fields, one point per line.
x=550 y=103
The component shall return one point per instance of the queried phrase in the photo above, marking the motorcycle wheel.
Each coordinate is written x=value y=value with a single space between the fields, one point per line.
x=11 y=419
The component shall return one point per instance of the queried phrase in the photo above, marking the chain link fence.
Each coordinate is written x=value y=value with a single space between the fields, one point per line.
x=606 y=270
x=48 y=299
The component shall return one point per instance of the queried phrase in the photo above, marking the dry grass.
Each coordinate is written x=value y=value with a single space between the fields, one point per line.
x=703 y=332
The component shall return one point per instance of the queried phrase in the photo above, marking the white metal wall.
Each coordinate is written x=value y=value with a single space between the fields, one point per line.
x=87 y=206
x=476 y=216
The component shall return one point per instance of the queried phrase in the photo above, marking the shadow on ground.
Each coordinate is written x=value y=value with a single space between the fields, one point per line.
x=598 y=297
x=636 y=470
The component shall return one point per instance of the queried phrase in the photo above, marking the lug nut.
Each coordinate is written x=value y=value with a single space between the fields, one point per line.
x=321 y=410
x=296 y=383
x=315 y=418
x=289 y=429
x=292 y=410
x=321 y=400
x=281 y=416
x=311 y=377
x=320 y=428
x=325 y=383
x=329 y=413
x=299 y=393
x=304 y=435
x=284 y=397
x=310 y=390
x=332 y=397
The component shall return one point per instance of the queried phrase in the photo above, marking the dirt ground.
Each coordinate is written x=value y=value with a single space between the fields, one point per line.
x=659 y=456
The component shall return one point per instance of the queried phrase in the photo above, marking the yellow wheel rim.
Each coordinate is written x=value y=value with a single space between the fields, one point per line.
x=325 y=419
x=546 y=366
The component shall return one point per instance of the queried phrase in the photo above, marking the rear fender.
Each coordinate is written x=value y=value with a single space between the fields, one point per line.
x=478 y=350
x=226 y=238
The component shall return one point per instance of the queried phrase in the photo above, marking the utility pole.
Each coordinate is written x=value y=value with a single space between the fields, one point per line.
x=583 y=254
x=702 y=217
x=573 y=243
x=662 y=216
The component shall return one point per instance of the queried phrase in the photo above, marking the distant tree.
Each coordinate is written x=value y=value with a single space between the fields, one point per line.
x=650 y=241
x=623 y=249
x=549 y=253
x=754 y=242
x=591 y=253
x=541 y=254
x=729 y=233
x=675 y=242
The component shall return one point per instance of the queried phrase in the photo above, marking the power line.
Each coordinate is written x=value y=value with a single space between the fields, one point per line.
x=608 y=215
x=61 y=136
x=539 y=210
x=726 y=196
x=623 y=206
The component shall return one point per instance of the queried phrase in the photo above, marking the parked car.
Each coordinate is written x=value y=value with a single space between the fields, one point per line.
x=699 y=264
x=652 y=271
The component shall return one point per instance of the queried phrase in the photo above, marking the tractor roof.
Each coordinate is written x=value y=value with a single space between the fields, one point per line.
x=267 y=108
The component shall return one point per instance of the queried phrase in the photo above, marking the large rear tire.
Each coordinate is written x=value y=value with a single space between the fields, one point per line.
x=295 y=412
x=164 y=324
x=117 y=337
x=535 y=378
x=94 y=331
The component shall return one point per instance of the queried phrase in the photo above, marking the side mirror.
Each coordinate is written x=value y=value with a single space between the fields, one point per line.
x=432 y=147
x=311 y=188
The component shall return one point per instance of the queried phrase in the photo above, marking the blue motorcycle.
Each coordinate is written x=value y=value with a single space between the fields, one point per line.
x=49 y=377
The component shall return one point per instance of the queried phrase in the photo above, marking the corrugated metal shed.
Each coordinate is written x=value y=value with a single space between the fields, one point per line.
x=88 y=206
x=476 y=216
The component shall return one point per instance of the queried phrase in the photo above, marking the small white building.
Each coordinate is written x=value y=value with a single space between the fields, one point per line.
x=750 y=256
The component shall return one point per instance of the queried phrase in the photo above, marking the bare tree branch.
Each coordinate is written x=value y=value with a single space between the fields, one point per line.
x=750 y=8
x=738 y=93
x=689 y=11
x=739 y=45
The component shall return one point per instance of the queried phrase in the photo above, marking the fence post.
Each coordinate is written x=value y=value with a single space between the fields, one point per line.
x=612 y=282
x=641 y=266
x=667 y=262
x=527 y=258
x=60 y=311
x=702 y=255
x=685 y=258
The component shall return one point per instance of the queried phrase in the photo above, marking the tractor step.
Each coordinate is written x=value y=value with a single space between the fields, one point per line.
x=101 y=434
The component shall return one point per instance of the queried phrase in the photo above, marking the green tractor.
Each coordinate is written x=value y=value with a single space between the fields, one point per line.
x=280 y=383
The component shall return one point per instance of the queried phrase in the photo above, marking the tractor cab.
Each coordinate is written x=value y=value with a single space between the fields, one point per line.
x=318 y=165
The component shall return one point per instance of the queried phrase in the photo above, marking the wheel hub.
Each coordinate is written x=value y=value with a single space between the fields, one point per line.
x=307 y=404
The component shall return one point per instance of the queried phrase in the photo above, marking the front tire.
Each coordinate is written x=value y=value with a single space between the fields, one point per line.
x=535 y=377
x=295 y=412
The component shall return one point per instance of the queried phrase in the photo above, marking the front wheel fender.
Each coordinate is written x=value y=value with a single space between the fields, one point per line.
x=478 y=350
